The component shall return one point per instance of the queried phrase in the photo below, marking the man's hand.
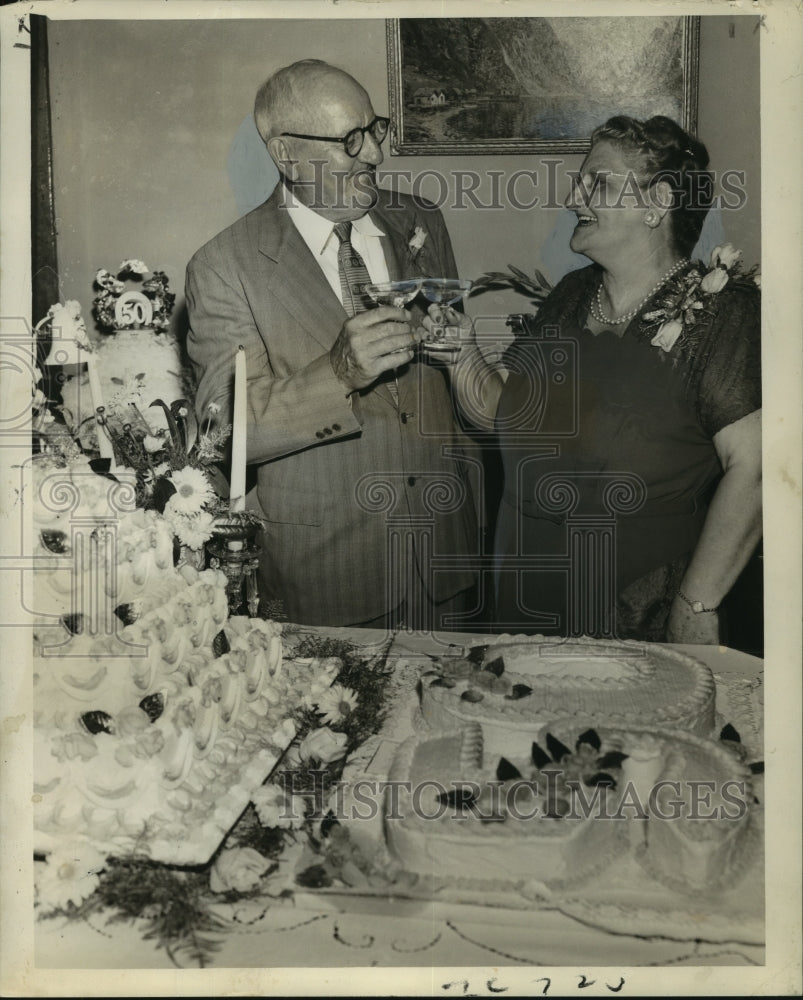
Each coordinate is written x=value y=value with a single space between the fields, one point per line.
x=371 y=343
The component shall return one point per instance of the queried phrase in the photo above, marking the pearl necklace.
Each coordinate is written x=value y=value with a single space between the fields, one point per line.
x=595 y=308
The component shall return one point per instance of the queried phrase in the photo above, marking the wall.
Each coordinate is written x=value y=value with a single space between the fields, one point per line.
x=145 y=114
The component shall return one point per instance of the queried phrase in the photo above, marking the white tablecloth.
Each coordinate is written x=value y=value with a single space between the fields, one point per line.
x=334 y=931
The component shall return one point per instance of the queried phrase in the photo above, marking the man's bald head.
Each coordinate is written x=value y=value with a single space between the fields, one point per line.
x=297 y=97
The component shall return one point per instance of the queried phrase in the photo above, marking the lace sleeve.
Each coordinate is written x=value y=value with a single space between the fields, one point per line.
x=727 y=371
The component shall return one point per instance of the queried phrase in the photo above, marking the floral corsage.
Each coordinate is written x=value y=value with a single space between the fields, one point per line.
x=686 y=299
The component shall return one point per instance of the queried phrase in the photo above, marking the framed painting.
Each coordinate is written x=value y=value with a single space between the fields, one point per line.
x=534 y=84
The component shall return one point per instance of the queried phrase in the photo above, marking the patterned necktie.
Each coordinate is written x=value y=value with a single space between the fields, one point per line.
x=354 y=274
x=354 y=277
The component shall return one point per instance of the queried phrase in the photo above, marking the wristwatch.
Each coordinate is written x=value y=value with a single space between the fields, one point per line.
x=697 y=606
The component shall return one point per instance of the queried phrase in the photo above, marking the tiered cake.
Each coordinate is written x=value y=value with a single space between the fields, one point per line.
x=155 y=715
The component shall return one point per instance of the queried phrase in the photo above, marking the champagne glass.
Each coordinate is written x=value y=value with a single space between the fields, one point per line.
x=446 y=292
x=394 y=293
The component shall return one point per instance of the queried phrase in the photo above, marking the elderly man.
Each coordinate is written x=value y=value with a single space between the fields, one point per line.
x=360 y=477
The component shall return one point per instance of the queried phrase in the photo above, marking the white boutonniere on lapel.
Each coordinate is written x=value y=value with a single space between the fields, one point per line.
x=416 y=241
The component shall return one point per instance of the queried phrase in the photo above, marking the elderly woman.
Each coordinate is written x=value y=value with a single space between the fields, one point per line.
x=632 y=402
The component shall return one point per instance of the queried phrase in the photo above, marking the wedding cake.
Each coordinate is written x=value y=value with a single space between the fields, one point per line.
x=156 y=716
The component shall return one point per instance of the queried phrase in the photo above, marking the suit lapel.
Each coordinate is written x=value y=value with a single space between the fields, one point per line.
x=299 y=284
x=297 y=281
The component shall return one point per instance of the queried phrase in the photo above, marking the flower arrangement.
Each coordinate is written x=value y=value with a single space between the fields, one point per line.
x=686 y=299
x=176 y=471
x=113 y=291
x=284 y=841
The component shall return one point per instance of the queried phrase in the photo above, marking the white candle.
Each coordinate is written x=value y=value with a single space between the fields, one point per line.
x=104 y=444
x=237 y=488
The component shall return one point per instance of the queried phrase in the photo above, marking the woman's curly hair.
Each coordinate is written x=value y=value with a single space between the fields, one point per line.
x=671 y=155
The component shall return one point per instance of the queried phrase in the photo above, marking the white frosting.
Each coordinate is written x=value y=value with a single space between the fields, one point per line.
x=688 y=854
x=145 y=741
x=579 y=682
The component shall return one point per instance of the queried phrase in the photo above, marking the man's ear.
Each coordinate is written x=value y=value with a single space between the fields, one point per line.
x=280 y=154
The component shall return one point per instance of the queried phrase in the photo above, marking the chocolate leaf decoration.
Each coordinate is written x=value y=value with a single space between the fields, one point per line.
x=314 y=877
x=102 y=467
x=601 y=778
x=589 y=736
x=328 y=823
x=126 y=614
x=505 y=771
x=729 y=733
x=556 y=748
x=153 y=705
x=54 y=541
x=163 y=489
x=220 y=644
x=518 y=691
x=476 y=654
x=613 y=758
x=472 y=695
x=496 y=666
x=757 y=767
x=459 y=797
x=97 y=722
x=74 y=623
x=540 y=757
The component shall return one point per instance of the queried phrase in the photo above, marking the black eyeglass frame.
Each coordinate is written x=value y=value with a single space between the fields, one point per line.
x=362 y=129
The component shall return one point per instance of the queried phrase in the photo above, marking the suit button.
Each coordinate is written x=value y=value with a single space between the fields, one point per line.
x=335 y=427
x=319 y=434
x=406 y=416
x=411 y=480
x=327 y=430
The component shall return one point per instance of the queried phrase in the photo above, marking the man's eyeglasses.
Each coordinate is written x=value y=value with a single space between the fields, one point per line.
x=353 y=140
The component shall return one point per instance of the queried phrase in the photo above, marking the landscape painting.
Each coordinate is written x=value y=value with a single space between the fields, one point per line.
x=534 y=84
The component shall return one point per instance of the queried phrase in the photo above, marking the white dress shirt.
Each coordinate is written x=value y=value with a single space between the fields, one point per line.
x=319 y=236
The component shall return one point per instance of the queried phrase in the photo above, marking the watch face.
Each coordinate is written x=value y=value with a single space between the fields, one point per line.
x=697 y=607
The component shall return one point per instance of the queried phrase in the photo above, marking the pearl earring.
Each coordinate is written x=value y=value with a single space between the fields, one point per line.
x=651 y=219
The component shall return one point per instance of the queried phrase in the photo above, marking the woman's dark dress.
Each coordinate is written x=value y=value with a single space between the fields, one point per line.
x=606 y=430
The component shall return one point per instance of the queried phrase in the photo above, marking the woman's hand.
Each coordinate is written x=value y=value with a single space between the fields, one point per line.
x=685 y=626
x=445 y=325
x=477 y=386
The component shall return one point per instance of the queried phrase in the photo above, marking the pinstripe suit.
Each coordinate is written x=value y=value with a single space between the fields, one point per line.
x=335 y=474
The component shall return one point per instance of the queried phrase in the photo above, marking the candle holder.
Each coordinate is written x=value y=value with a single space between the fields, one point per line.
x=234 y=549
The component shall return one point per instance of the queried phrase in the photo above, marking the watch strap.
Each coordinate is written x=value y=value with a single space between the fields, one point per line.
x=697 y=606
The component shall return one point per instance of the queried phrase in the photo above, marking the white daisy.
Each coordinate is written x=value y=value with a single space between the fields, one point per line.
x=194 y=530
x=69 y=876
x=336 y=703
x=193 y=490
